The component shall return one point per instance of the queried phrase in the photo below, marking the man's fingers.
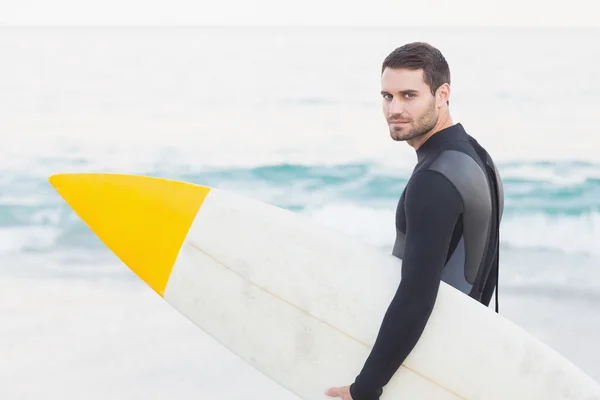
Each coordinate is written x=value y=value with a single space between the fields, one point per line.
x=333 y=392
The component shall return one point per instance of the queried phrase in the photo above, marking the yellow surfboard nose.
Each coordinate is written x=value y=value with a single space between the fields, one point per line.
x=142 y=220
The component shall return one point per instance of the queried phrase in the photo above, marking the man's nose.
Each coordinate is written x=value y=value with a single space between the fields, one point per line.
x=396 y=107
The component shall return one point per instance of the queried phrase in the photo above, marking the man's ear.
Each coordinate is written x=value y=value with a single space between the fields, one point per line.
x=443 y=94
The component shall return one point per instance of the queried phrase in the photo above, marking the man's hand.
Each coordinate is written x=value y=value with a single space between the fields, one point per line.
x=342 y=392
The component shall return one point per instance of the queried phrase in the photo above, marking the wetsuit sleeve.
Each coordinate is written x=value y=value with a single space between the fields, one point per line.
x=432 y=208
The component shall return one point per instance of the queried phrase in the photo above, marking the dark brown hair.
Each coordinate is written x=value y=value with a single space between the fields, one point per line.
x=421 y=55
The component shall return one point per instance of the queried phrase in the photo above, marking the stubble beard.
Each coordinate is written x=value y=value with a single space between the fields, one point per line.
x=416 y=129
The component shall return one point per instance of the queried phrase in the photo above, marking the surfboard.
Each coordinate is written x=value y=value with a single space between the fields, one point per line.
x=301 y=302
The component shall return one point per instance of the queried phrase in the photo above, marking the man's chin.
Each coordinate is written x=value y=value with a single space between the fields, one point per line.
x=399 y=136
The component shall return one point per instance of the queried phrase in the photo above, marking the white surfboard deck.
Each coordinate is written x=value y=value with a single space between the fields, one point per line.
x=303 y=303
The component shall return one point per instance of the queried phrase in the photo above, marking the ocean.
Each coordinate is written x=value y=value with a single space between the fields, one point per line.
x=290 y=116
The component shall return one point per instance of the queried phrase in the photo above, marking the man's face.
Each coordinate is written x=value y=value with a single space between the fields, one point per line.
x=408 y=105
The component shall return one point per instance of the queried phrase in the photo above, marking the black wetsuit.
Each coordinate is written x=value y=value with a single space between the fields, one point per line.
x=447 y=230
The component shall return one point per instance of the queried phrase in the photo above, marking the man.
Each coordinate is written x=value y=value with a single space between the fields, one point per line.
x=448 y=216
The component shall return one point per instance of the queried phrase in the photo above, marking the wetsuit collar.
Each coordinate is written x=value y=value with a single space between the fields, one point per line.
x=452 y=133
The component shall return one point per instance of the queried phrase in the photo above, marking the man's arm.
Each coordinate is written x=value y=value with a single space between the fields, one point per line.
x=432 y=207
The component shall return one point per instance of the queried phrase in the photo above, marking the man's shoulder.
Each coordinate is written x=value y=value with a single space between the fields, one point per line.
x=456 y=160
x=430 y=189
x=460 y=167
x=428 y=181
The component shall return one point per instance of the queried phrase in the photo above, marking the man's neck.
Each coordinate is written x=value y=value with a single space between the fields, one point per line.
x=445 y=121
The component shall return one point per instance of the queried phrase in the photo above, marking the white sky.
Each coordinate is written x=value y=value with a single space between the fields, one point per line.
x=301 y=12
